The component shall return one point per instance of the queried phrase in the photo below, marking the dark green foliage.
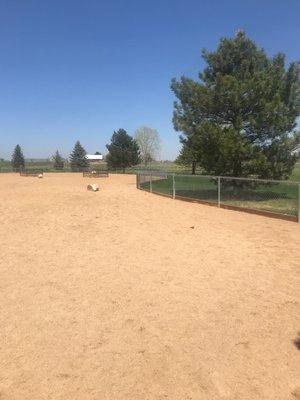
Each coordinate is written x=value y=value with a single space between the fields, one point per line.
x=123 y=151
x=239 y=119
x=78 y=160
x=18 y=161
x=188 y=156
x=58 y=161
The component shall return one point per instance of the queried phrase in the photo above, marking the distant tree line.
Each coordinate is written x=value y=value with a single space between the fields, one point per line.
x=123 y=151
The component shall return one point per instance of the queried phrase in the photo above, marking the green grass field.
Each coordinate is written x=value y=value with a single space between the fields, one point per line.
x=5 y=166
x=296 y=173
x=279 y=198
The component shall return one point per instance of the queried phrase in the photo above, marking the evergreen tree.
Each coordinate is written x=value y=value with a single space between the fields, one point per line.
x=18 y=161
x=123 y=151
x=240 y=118
x=78 y=160
x=58 y=161
x=188 y=155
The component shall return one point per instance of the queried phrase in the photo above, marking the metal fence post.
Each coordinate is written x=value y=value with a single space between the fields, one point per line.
x=219 y=191
x=150 y=183
x=174 y=189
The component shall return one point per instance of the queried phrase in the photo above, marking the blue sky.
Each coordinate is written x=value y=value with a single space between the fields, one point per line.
x=73 y=69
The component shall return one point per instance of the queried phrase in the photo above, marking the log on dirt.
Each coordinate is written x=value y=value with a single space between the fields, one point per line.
x=93 y=187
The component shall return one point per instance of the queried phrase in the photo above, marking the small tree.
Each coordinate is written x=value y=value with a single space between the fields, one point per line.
x=18 y=161
x=123 y=151
x=148 y=142
x=78 y=160
x=58 y=161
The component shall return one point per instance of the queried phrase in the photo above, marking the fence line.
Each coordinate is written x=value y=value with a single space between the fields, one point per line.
x=279 y=199
x=31 y=172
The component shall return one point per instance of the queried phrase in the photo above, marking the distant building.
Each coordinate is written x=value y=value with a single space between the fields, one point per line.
x=94 y=158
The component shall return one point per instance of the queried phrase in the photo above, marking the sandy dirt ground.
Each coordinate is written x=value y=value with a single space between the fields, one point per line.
x=126 y=295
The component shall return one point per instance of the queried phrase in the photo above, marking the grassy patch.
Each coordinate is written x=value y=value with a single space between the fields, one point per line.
x=296 y=173
x=275 y=197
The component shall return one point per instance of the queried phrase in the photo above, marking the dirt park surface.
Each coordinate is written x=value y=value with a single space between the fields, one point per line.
x=124 y=295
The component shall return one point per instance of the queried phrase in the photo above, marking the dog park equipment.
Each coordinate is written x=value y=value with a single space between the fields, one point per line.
x=32 y=172
x=273 y=198
x=93 y=187
x=95 y=173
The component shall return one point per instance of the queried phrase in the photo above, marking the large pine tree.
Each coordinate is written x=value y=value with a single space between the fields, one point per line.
x=239 y=119
x=78 y=160
x=18 y=160
x=123 y=151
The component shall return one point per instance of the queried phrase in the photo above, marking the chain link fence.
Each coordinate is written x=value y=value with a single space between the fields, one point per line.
x=274 y=198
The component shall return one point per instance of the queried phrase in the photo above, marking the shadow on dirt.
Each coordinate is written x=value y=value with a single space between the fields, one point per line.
x=297 y=341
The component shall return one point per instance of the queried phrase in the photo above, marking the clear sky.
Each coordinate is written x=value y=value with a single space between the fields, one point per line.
x=80 y=69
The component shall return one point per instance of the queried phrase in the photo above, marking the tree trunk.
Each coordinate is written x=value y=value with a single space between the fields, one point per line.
x=193 y=168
